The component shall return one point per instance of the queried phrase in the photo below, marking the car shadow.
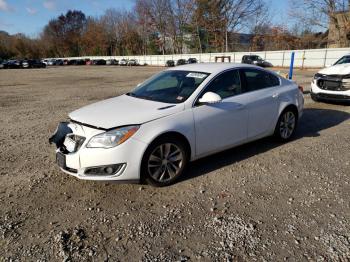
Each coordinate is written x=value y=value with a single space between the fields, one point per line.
x=312 y=122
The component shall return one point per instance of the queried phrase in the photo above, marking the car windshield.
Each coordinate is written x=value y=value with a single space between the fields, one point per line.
x=343 y=60
x=170 y=86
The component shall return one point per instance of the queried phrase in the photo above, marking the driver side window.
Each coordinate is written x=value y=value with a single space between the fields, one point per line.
x=225 y=85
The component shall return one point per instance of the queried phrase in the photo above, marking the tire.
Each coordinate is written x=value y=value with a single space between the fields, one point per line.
x=164 y=161
x=286 y=124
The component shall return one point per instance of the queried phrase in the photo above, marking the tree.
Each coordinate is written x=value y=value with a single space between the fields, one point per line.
x=95 y=40
x=332 y=15
x=64 y=34
x=158 y=13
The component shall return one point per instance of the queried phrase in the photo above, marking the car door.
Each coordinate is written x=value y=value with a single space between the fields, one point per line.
x=223 y=124
x=261 y=89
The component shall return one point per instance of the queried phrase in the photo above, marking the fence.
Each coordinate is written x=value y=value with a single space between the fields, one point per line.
x=303 y=58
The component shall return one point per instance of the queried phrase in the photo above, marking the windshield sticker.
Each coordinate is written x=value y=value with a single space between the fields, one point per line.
x=196 y=75
x=179 y=98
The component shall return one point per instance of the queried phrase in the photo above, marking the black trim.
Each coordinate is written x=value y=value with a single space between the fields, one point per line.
x=91 y=126
x=330 y=97
x=107 y=129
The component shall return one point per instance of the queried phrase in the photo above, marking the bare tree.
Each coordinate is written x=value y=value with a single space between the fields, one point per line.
x=110 y=21
x=322 y=15
x=239 y=13
x=316 y=12
x=158 y=12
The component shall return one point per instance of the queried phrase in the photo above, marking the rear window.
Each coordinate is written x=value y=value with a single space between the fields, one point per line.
x=257 y=79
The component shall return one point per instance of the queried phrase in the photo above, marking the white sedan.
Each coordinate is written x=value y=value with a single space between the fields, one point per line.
x=176 y=116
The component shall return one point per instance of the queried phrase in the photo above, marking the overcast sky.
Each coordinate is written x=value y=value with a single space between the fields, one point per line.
x=30 y=16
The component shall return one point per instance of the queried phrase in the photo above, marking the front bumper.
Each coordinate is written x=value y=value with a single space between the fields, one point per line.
x=329 y=95
x=127 y=155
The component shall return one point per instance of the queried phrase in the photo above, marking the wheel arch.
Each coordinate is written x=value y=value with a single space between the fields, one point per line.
x=177 y=135
x=289 y=106
x=283 y=108
x=172 y=134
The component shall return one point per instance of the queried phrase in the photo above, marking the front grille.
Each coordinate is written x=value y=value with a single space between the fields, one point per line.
x=333 y=83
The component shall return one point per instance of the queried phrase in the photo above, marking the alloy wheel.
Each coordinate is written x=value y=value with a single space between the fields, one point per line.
x=165 y=162
x=287 y=124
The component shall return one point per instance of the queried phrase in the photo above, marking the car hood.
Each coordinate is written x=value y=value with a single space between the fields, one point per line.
x=123 y=110
x=342 y=69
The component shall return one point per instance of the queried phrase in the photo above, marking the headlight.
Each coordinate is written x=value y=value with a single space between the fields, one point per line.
x=113 y=138
x=317 y=76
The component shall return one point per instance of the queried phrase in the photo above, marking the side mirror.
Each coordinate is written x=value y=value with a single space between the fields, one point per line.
x=210 y=98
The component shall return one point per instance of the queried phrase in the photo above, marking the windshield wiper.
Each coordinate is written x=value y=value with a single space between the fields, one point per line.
x=130 y=94
x=141 y=97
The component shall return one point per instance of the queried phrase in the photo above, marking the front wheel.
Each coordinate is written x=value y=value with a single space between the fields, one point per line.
x=164 y=161
x=286 y=125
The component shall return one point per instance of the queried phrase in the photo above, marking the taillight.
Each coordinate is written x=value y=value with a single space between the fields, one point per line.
x=301 y=89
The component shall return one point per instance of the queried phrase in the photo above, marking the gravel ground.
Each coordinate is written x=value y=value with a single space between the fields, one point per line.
x=260 y=201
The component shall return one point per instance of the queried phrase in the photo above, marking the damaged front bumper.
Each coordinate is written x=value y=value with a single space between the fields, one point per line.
x=120 y=163
x=330 y=88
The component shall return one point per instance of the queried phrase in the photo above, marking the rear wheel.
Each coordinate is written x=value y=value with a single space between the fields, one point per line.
x=164 y=161
x=286 y=124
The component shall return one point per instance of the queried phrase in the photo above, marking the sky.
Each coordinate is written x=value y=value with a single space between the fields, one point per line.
x=30 y=16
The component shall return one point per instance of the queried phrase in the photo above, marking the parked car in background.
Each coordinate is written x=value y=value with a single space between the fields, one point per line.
x=99 y=62
x=2 y=64
x=333 y=83
x=112 y=62
x=51 y=62
x=123 y=62
x=192 y=61
x=133 y=62
x=59 y=62
x=179 y=115
x=33 y=63
x=170 y=63
x=76 y=62
x=45 y=61
x=71 y=62
x=255 y=60
x=181 y=62
x=13 y=64
x=80 y=62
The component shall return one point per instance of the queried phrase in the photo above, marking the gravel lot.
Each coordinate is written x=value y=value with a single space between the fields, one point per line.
x=261 y=201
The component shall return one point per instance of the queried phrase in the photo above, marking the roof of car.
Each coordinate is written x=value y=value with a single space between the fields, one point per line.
x=210 y=67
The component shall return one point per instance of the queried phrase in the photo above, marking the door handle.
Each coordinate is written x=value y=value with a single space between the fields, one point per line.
x=275 y=95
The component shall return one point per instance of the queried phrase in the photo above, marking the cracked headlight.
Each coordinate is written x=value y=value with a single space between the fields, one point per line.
x=112 y=138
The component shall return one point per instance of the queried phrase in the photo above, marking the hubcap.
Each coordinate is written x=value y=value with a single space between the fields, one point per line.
x=287 y=124
x=165 y=162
